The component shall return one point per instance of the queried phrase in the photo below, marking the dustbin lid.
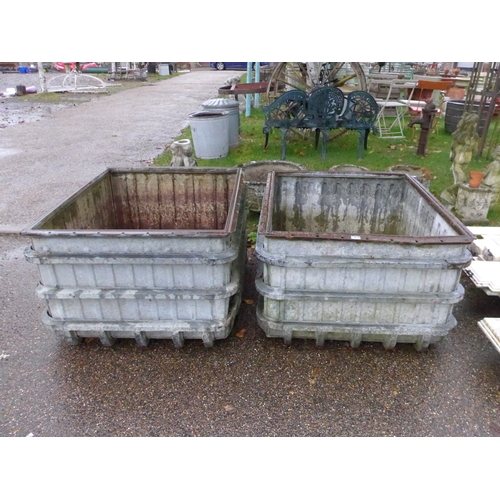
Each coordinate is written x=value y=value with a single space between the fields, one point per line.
x=221 y=103
x=208 y=114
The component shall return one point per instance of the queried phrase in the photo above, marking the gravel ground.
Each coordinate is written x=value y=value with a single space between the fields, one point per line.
x=15 y=111
x=247 y=385
x=33 y=108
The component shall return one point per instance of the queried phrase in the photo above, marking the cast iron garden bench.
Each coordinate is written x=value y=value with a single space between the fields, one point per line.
x=323 y=109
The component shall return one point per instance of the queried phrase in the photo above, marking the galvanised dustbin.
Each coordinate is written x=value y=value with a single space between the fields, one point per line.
x=155 y=253
x=358 y=257
x=233 y=110
x=210 y=132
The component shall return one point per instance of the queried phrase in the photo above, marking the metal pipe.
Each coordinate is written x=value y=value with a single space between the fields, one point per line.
x=248 y=97
x=257 y=80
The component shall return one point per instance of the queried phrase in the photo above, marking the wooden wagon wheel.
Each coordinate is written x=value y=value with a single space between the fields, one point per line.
x=307 y=76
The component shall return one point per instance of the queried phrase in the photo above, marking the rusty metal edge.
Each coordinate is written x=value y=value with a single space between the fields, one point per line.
x=230 y=226
x=465 y=236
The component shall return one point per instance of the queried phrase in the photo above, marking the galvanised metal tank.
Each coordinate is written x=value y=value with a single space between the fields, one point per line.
x=155 y=253
x=358 y=257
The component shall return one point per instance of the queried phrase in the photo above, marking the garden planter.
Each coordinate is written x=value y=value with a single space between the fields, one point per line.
x=473 y=203
x=346 y=168
x=475 y=179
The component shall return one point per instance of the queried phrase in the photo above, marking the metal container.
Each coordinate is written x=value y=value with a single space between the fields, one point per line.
x=232 y=108
x=210 y=131
x=358 y=257
x=454 y=113
x=144 y=253
x=164 y=69
x=421 y=174
x=255 y=176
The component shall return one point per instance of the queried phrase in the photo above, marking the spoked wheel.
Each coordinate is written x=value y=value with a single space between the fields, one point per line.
x=220 y=66
x=307 y=76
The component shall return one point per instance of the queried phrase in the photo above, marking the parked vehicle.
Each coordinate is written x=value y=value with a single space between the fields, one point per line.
x=59 y=66
x=89 y=65
x=233 y=65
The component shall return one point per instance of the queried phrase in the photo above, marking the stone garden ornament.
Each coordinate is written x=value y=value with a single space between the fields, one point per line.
x=182 y=154
x=491 y=177
x=465 y=141
x=470 y=201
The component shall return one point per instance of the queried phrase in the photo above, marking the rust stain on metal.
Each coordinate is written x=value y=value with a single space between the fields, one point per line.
x=153 y=199
x=388 y=207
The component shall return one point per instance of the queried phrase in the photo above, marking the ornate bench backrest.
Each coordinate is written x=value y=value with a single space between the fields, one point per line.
x=324 y=106
x=287 y=111
x=361 y=111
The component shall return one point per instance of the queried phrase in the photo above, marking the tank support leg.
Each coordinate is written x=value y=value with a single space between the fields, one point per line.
x=141 y=339
x=72 y=337
x=320 y=339
x=178 y=339
x=390 y=342
x=208 y=339
x=421 y=343
x=356 y=340
x=106 y=338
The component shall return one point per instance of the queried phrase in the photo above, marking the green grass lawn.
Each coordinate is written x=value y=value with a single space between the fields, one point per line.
x=342 y=149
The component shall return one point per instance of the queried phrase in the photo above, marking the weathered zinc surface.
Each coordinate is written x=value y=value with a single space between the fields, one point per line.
x=358 y=257
x=150 y=253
